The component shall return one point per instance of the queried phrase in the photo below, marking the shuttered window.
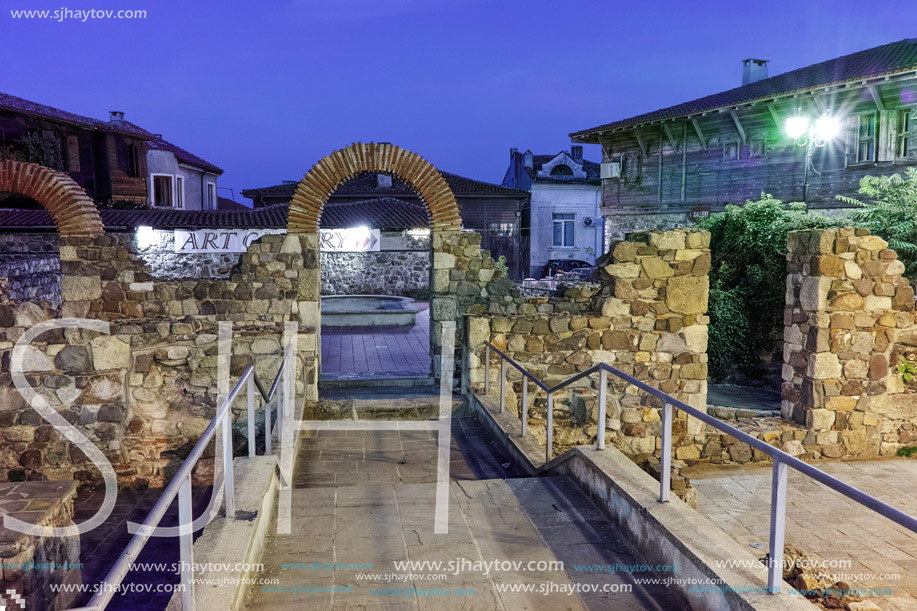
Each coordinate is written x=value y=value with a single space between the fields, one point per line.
x=866 y=138
x=906 y=134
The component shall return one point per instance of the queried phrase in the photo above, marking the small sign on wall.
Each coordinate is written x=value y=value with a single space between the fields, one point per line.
x=218 y=240
x=351 y=239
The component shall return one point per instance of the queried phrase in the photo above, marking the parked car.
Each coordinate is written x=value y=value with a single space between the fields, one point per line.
x=581 y=274
x=562 y=266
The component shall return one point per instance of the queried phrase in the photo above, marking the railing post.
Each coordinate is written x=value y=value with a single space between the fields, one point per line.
x=778 y=527
x=486 y=369
x=603 y=390
x=502 y=385
x=186 y=545
x=525 y=406
x=267 y=427
x=251 y=415
x=665 y=459
x=549 y=428
x=228 y=479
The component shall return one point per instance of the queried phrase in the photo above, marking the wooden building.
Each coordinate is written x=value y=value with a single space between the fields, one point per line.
x=662 y=168
x=106 y=158
x=491 y=210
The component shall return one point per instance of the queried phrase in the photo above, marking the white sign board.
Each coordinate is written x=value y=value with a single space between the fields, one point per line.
x=353 y=239
x=218 y=240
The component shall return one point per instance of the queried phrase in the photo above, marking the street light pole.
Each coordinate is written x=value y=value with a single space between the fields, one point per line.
x=810 y=134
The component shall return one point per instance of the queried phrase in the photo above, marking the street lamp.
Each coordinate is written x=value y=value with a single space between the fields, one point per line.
x=812 y=135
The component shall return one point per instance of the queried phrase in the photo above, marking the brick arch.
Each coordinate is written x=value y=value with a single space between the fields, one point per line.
x=340 y=166
x=74 y=213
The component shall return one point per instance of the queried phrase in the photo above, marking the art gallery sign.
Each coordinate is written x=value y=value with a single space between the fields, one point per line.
x=218 y=240
x=351 y=239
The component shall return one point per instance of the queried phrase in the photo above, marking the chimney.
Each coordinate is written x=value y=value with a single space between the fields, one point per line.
x=527 y=160
x=512 y=153
x=753 y=70
x=576 y=151
x=383 y=181
x=117 y=116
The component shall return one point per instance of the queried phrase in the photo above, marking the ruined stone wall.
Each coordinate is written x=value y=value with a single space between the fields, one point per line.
x=849 y=317
x=648 y=319
x=145 y=393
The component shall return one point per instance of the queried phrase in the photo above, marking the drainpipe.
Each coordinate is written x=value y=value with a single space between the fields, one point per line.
x=203 y=172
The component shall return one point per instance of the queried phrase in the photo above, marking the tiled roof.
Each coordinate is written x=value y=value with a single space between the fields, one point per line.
x=592 y=169
x=382 y=213
x=16 y=104
x=158 y=143
x=224 y=203
x=892 y=58
x=266 y=217
x=366 y=183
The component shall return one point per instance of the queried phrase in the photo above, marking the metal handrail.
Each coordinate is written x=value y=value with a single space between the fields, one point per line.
x=781 y=459
x=180 y=486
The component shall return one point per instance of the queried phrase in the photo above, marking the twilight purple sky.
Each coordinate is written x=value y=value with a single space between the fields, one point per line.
x=264 y=90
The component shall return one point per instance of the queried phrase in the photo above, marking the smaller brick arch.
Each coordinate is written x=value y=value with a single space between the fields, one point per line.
x=74 y=213
x=340 y=166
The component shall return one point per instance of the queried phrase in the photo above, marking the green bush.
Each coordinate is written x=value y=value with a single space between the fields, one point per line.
x=891 y=213
x=748 y=282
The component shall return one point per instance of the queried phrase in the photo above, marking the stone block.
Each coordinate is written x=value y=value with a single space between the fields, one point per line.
x=823 y=366
x=668 y=240
x=655 y=267
x=443 y=260
x=819 y=419
x=813 y=293
x=81 y=288
x=687 y=294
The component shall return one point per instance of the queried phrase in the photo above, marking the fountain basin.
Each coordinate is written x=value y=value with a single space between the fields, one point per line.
x=367 y=311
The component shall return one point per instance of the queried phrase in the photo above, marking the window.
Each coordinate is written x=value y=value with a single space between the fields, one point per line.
x=561 y=170
x=731 y=150
x=905 y=127
x=563 y=229
x=133 y=161
x=73 y=154
x=866 y=138
x=179 y=191
x=162 y=190
x=211 y=196
x=757 y=148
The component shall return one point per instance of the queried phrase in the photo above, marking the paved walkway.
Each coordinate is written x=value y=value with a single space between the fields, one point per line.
x=365 y=355
x=363 y=502
x=823 y=523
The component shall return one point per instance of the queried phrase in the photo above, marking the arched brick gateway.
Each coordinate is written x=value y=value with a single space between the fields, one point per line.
x=342 y=165
x=72 y=210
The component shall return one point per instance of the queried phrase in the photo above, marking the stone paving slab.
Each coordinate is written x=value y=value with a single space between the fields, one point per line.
x=823 y=523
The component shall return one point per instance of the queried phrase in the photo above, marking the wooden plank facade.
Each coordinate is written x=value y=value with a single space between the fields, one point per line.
x=687 y=161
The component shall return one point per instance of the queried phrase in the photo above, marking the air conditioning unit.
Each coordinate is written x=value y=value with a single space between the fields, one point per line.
x=611 y=169
x=588 y=221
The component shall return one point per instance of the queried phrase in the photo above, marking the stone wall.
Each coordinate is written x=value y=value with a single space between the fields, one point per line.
x=647 y=319
x=29 y=267
x=401 y=268
x=849 y=317
x=144 y=393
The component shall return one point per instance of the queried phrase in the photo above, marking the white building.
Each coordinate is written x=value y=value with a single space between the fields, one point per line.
x=564 y=218
x=179 y=179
